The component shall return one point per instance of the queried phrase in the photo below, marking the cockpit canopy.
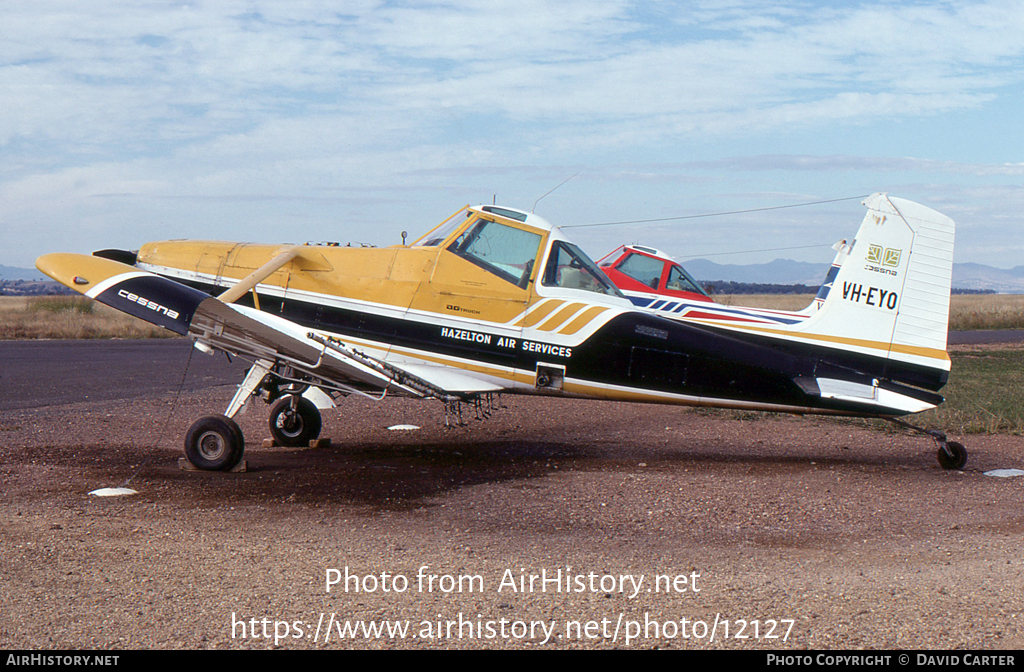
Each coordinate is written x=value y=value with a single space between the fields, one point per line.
x=506 y=251
x=644 y=269
x=511 y=243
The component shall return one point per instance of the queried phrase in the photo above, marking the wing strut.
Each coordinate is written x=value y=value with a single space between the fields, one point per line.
x=239 y=290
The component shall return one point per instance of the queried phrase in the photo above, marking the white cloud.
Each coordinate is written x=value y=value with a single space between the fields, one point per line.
x=795 y=162
x=305 y=102
x=90 y=71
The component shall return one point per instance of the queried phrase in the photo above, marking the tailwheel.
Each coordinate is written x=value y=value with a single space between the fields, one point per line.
x=294 y=421
x=214 y=443
x=952 y=455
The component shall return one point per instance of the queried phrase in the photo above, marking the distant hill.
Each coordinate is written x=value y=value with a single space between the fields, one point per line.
x=778 y=272
x=13 y=273
x=788 y=272
x=32 y=288
x=980 y=276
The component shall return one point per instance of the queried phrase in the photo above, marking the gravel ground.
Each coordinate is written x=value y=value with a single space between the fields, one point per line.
x=775 y=531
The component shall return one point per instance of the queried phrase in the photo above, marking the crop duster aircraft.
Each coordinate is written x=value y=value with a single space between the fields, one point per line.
x=497 y=300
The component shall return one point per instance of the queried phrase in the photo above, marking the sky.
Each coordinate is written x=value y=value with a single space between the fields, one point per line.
x=125 y=122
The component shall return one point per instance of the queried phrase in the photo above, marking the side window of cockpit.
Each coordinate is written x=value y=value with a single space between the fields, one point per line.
x=507 y=252
x=643 y=269
x=570 y=268
x=680 y=280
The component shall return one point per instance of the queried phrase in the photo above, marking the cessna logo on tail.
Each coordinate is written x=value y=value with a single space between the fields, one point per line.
x=879 y=257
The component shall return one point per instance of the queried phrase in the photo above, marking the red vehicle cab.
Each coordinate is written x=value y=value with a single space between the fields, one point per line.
x=644 y=269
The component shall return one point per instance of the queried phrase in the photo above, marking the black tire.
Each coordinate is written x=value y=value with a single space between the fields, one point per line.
x=214 y=443
x=955 y=458
x=294 y=428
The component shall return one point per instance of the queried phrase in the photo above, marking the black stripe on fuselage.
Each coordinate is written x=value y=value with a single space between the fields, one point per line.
x=634 y=349
x=831 y=362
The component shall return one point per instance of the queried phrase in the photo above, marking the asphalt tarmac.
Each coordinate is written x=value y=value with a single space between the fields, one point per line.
x=46 y=373
x=986 y=337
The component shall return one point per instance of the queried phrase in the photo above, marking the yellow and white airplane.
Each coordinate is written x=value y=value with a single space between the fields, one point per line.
x=497 y=300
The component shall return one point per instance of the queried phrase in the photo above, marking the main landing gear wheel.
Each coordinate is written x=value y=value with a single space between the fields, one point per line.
x=214 y=443
x=952 y=456
x=294 y=427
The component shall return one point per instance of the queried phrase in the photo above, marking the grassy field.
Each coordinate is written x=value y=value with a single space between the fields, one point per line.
x=986 y=311
x=985 y=393
x=28 y=317
x=967 y=312
x=772 y=301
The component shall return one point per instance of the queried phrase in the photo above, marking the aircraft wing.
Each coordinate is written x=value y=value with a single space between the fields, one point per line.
x=250 y=333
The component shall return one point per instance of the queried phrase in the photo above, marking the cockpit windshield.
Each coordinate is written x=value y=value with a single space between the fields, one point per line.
x=643 y=269
x=440 y=233
x=570 y=268
x=506 y=251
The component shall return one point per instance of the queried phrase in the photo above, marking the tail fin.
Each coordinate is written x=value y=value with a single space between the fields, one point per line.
x=890 y=297
x=842 y=248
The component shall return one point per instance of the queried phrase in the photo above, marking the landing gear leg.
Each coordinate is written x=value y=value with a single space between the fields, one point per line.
x=249 y=386
x=294 y=421
x=951 y=454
